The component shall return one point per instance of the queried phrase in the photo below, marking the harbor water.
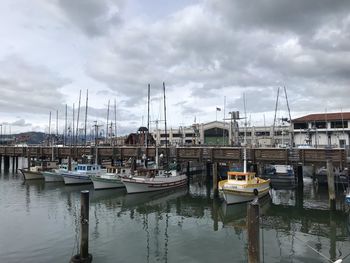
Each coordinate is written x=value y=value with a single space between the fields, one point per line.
x=39 y=222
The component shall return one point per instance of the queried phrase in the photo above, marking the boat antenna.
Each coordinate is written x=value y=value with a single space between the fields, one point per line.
x=165 y=127
x=86 y=112
x=72 y=138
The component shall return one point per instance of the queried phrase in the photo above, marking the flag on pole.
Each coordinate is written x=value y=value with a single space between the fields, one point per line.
x=218 y=109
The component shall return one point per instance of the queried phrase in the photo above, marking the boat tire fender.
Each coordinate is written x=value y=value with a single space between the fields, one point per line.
x=256 y=192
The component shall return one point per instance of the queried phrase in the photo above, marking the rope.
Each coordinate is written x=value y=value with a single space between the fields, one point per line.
x=337 y=261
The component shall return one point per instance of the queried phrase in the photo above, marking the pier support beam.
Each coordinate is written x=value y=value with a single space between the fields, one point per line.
x=0 y=162
x=6 y=163
x=331 y=190
x=84 y=256
x=13 y=164
x=253 y=225
x=16 y=164
x=300 y=176
x=215 y=179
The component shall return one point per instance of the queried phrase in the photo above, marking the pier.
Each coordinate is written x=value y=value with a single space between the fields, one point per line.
x=210 y=154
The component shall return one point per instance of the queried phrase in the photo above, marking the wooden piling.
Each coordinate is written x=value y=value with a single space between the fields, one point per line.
x=84 y=256
x=253 y=225
x=300 y=175
x=331 y=190
x=188 y=173
x=215 y=179
x=0 y=162
x=6 y=163
x=16 y=164
x=13 y=164
x=28 y=160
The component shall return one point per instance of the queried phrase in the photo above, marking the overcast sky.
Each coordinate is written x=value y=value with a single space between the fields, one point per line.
x=204 y=51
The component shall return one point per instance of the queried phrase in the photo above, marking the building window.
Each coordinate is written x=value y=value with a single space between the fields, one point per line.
x=262 y=133
x=177 y=135
x=300 y=125
x=339 y=124
x=320 y=125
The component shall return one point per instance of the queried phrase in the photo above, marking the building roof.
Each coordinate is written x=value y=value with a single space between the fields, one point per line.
x=337 y=116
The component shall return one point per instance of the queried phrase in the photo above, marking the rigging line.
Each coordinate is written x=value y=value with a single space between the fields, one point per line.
x=314 y=249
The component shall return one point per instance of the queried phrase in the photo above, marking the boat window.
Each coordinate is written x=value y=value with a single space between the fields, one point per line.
x=88 y=168
x=240 y=178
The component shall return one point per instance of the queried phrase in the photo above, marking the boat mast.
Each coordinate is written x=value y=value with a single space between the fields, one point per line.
x=65 y=126
x=245 y=137
x=115 y=121
x=77 y=132
x=107 y=121
x=274 y=119
x=166 y=135
x=49 y=139
x=86 y=112
x=73 y=129
x=290 y=120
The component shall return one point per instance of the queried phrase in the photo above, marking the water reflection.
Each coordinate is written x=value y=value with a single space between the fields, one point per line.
x=296 y=224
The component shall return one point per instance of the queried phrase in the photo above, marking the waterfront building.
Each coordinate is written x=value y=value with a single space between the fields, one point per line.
x=226 y=134
x=322 y=129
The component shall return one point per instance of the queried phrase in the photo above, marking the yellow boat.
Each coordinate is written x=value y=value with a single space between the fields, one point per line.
x=243 y=187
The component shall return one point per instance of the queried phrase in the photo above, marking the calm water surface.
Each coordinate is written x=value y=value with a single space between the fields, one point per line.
x=40 y=223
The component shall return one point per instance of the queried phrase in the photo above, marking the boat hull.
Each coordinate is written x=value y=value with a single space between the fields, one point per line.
x=53 y=177
x=235 y=197
x=76 y=179
x=31 y=175
x=141 y=185
x=110 y=182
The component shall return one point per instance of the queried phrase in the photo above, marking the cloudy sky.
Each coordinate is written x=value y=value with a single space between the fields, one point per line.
x=204 y=51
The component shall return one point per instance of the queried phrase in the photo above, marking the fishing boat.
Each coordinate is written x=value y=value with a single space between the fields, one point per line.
x=279 y=174
x=149 y=180
x=55 y=175
x=82 y=175
x=156 y=179
x=242 y=187
x=111 y=178
x=36 y=172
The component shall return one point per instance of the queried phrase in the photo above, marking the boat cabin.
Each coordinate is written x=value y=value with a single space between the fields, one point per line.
x=88 y=167
x=240 y=177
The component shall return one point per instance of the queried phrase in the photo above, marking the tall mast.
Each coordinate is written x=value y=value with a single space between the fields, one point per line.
x=86 y=112
x=107 y=120
x=274 y=119
x=77 y=132
x=57 y=123
x=166 y=134
x=65 y=126
x=115 y=121
x=245 y=137
x=73 y=129
x=290 y=119
x=148 y=99
x=49 y=140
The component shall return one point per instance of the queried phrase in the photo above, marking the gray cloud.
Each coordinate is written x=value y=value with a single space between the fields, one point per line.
x=25 y=87
x=94 y=18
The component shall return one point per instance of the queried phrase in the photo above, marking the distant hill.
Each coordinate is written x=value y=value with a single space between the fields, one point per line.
x=30 y=137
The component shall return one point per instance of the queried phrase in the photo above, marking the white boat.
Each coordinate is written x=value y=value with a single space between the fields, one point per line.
x=55 y=175
x=150 y=180
x=36 y=172
x=110 y=179
x=243 y=187
x=82 y=174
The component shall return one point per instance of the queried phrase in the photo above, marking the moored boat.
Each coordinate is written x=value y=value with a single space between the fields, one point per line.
x=36 y=172
x=243 y=187
x=82 y=174
x=55 y=175
x=150 y=180
x=110 y=179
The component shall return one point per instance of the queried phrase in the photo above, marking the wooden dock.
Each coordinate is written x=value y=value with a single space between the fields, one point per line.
x=184 y=154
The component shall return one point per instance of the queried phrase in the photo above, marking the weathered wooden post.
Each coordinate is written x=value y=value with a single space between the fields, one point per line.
x=13 y=164
x=16 y=164
x=84 y=256
x=331 y=190
x=215 y=179
x=28 y=159
x=6 y=163
x=0 y=162
x=300 y=176
x=253 y=225
x=188 y=173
